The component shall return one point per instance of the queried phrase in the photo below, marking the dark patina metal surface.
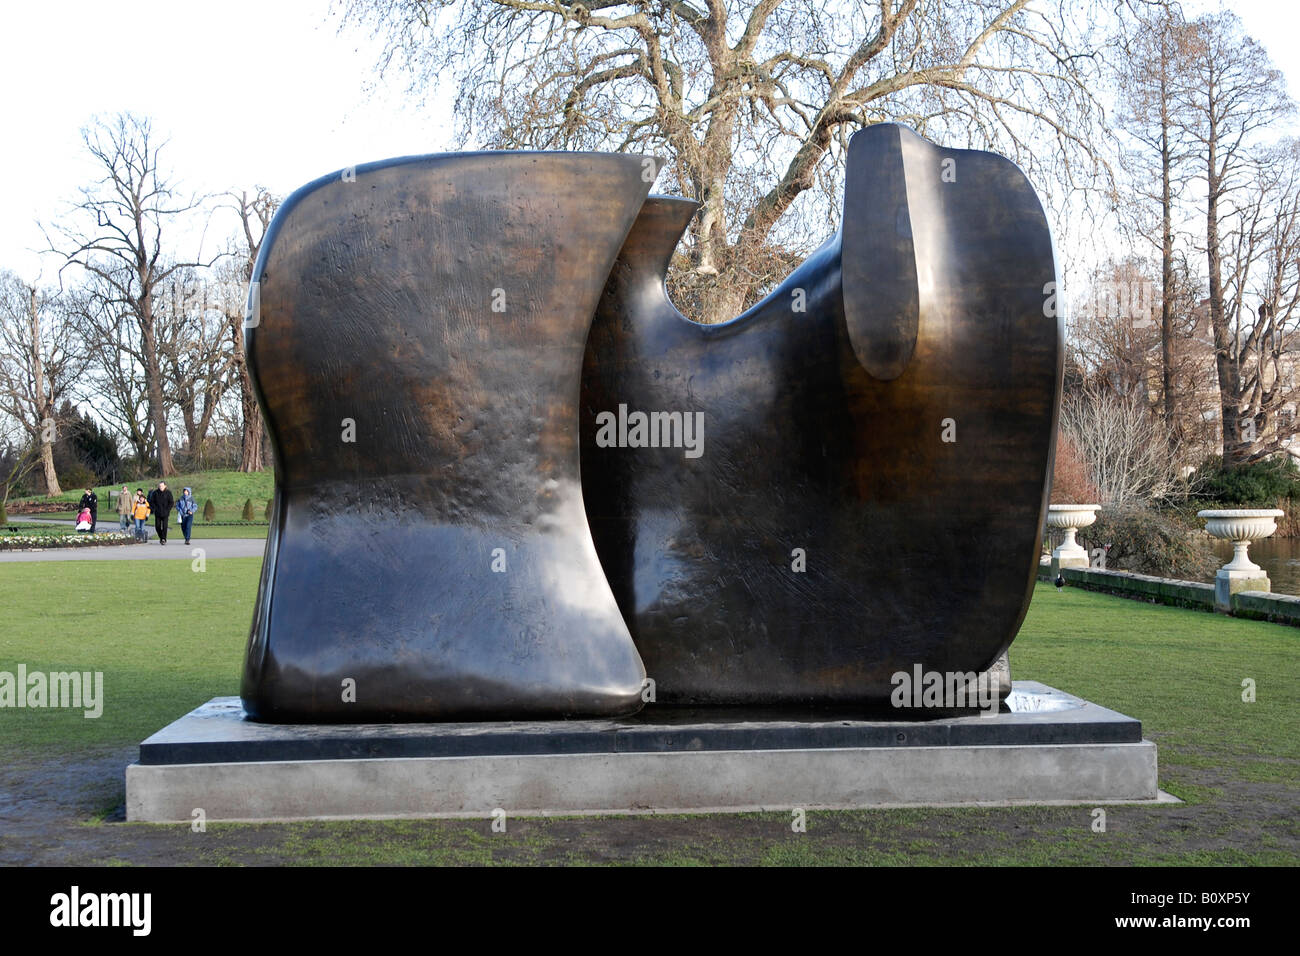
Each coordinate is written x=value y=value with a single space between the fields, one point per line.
x=927 y=316
x=417 y=349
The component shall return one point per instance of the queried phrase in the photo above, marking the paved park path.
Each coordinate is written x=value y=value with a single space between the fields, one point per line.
x=174 y=550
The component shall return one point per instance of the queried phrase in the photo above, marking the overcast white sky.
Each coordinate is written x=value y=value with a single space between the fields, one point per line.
x=264 y=92
x=250 y=92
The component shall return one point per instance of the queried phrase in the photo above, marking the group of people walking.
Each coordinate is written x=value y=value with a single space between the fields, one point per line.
x=136 y=509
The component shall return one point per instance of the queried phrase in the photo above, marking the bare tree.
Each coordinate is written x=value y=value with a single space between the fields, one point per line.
x=115 y=384
x=1157 y=159
x=1195 y=428
x=195 y=354
x=40 y=357
x=1261 y=301
x=15 y=461
x=752 y=101
x=255 y=214
x=116 y=234
x=1071 y=481
x=1112 y=327
x=1229 y=92
x=1128 y=453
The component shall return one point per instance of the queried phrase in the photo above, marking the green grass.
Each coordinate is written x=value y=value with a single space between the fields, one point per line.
x=65 y=516
x=200 y=530
x=227 y=489
x=1180 y=671
x=168 y=639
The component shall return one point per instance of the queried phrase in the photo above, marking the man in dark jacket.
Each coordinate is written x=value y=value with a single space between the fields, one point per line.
x=161 y=503
x=90 y=500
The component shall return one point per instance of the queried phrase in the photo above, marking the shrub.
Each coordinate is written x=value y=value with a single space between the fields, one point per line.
x=136 y=470
x=1127 y=449
x=84 y=448
x=268 y=508
x=1140 y=539
x=248 y=509
x=1070 y=482
x=209 y=511
x=1259 y=484
x=77 y=475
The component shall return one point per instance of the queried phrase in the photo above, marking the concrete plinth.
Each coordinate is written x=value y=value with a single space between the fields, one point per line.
x=1044 y=747
x=1228 y=582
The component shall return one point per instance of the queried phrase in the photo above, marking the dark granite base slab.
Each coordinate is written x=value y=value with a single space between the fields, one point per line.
x=1034 y=714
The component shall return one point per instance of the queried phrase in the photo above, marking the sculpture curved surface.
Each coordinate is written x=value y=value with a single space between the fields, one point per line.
x=416 y=336
x=870 y=490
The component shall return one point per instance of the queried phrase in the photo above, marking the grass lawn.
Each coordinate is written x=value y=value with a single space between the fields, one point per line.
x=168 y=639
x=200 y=530
x=227 y=489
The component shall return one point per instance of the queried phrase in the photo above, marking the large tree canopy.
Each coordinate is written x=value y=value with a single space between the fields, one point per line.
x=751 y=102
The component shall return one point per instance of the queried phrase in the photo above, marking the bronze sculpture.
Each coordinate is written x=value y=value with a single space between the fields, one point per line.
x=813 y=431
x=417 y=347
x=871 y=490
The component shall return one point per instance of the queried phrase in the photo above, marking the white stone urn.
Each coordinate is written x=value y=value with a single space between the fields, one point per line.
x=1241 y=527
x=1070 y=518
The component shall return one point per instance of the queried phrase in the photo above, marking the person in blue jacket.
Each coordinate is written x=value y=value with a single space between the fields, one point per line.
x=185 y=508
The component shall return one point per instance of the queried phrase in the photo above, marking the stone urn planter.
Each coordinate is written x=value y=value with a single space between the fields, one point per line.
x=1070 y=518
x=1241 y=527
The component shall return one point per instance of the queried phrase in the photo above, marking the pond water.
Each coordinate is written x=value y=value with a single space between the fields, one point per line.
x=1279 y=557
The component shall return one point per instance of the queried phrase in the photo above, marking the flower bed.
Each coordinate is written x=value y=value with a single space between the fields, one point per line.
x=62 y=539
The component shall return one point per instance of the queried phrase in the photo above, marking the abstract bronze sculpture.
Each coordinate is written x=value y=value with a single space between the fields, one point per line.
x=879 y=433
x=418 y=345
x=871 y=491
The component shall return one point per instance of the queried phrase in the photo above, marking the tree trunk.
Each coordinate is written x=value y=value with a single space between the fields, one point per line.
x=1224 y=348
x=204 y=423
x=47 y=466
x=140 y=442
x=251 y=455
x=1167 y=307
x=724 y=298
x=44 y=407
x=1166 y=250
x=153 y=372
x=191 y=427
x=252 y=450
